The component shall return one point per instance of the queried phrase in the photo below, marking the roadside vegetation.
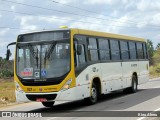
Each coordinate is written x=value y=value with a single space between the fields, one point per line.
x=154 y=59
x=7 y=90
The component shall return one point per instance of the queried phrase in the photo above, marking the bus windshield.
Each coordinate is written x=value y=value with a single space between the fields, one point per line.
x=43 y=59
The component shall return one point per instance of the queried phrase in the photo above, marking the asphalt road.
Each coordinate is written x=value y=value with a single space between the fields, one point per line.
x=146 y=99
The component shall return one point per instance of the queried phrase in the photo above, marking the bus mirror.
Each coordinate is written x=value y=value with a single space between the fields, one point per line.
x=8 y=54
x=79 y=49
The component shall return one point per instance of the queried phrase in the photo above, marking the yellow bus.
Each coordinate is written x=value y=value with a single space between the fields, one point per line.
x=73 y=64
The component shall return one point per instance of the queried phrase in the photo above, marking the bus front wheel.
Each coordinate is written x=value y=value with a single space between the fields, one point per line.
x=94 y=95
x=48 y=104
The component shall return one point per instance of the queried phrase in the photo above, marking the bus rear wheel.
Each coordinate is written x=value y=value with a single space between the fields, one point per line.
x=133 y=88
x=48 y=104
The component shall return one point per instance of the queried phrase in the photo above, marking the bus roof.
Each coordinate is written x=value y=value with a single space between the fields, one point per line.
x=105 y=34
x=94 y=33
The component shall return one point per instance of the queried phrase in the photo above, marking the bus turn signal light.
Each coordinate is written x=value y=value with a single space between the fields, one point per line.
x=67 y=85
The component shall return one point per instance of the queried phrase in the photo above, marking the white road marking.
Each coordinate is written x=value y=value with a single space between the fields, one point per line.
x=51 y=118
x=141 y=118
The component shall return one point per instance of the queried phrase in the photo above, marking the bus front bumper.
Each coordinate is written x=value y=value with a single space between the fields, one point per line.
x=67 y=95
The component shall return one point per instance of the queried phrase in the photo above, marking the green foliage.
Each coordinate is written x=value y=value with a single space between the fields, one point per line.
x=156 y=57
x=155 y=68
x=150 y=50
x=158 y=68
x=158 y=46
x=6 y=73
x=6 y=68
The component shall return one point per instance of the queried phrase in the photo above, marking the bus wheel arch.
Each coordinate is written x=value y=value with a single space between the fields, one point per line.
x=135 y=74
x=97 y=82
x=95 y=91
x=134 y=84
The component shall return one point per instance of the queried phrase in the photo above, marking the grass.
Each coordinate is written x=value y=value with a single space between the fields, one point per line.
x=154 y=71
x=7 y=89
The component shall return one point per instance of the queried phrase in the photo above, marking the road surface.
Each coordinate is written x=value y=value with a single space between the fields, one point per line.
x=146 y=99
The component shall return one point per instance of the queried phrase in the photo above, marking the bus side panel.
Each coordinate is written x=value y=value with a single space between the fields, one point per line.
x=143 y=75
x=84 y=80
x=128 y=69
x=82 y=84
x=112 y=75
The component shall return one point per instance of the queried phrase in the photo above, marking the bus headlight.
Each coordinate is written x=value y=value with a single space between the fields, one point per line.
x=67 y=85
x=18 y=88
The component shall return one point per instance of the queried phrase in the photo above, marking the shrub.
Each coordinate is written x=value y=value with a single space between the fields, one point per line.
x=6 y=73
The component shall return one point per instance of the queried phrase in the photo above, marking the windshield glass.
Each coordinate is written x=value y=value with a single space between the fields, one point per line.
x=43 y=59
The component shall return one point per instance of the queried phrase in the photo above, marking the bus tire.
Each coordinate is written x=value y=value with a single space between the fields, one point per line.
x=133 y=88
x=94 y=95
x=48 y=104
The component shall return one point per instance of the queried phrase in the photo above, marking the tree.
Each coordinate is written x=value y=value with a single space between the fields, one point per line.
x=158 y=46
x=150 y=51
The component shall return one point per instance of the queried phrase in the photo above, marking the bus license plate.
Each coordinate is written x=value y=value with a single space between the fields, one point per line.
x=41 y=100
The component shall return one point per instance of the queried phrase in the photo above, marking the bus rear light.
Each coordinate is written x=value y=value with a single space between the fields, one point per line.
x=67 y=85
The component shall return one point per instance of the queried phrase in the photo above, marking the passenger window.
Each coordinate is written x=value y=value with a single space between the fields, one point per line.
x=145 y=51
x=104 y=49
x=92 y=48
x=140 y=51
x=115 y=52
x=132 y=50
x=124 y=50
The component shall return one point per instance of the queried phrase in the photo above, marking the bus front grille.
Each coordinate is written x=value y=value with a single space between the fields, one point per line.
x=46 y=96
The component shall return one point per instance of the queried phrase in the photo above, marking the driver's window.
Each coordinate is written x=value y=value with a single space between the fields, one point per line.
x=81 y=58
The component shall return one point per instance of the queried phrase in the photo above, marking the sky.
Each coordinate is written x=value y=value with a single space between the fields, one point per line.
x=139 y=18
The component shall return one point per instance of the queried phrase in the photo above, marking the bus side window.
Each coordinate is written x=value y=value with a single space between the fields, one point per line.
x=124 y=50
x=140 y=50
x=104 y=49
x=92 y=50
x=132 y=50
x=145 y=51
x=115 y=51
x=81 y=57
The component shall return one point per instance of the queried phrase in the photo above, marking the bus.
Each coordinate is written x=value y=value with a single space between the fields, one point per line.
x=72 y=64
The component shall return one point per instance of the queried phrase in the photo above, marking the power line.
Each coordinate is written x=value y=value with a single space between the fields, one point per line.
x=86 y=10
x=10 y=11
x=129 y=21
x=4 y=27
x=29 y=5
x=61 y=18
x=29 y=14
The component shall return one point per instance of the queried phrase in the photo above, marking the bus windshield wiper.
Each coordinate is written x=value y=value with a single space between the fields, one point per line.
x=35 y=54
x=50 y=50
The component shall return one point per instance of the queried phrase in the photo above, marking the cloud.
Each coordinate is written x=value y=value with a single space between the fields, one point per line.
x=155 y=19
x=13 y=7
x=26 y=23
x=54 y=19
x=100 y=2
x=4 y=32
x=65 y=1
x=101 y=25
x=132 y=17
x=146 y=5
